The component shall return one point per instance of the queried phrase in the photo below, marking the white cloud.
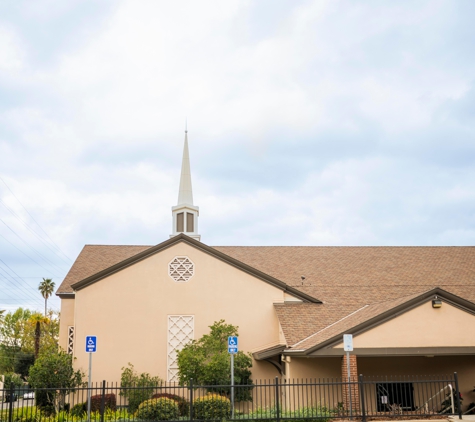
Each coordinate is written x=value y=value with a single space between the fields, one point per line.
x=324 y=122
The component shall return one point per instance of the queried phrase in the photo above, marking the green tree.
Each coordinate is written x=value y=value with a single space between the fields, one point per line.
x=13 y=338
x=25 y=332
x=55 y=372
x=46 y=289
x=208 y=362
x=22 y=363
x=137 y=387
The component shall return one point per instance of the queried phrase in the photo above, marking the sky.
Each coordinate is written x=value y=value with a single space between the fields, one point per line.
x=310 y=122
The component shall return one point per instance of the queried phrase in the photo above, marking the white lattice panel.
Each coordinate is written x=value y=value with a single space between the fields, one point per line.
x=181 y=269
x=180 y=332
x=70 y=340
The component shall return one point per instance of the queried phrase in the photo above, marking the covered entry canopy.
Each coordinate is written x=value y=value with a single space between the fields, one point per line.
x=433 y=323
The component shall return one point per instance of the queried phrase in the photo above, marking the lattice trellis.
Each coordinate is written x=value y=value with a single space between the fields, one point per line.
x=70 y=339
x=181 y=269
x=180 y=332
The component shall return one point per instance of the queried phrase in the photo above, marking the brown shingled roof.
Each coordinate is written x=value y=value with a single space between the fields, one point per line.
x=350 y=321
x=95 y=258
x=371 y=315
x=344 y=278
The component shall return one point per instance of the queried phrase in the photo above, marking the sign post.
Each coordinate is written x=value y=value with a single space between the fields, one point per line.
x=232 y=350
x=91 y=347
x=348 y=347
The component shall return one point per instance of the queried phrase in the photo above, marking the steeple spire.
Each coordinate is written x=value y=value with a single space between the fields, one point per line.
x=185 y=214
x=185 y=194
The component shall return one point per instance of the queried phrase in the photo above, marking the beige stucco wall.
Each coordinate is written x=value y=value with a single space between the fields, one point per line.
x=128 y=312
x=66 y=320
x=302 y=368
x=422 y=326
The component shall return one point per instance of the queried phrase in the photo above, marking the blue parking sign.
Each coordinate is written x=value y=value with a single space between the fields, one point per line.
x=232 y=344
x=91 y=344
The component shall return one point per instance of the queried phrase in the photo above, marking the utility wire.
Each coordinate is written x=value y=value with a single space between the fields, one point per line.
x=35 y=233
x=32 y=247
x=28 y=256
x=25 y=289
x=33 y=218
x=17 y=276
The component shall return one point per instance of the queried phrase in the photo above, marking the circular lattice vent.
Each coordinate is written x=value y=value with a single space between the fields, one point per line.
x=181 y=269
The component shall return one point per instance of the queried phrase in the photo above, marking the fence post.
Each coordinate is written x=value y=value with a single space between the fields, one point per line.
x=277 y=399
x=191 y=399
x=363 y=404
x=103 y=400
x=457 y=394
x=10 y=407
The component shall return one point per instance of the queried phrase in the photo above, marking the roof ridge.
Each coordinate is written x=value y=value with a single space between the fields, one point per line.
x=331 y=325
x=402 y=298
x=101 y=244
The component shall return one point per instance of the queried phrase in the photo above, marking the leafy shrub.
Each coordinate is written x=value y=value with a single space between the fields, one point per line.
x=25 y=414
x=137 y=388
x=183 y=404
x=79 y=409
x=320 y=413
x=12 y=378
x=45 y=401
x=109 y=402
x=206 y=361
x=161 y=409
x=447 y=403
x=212 y=406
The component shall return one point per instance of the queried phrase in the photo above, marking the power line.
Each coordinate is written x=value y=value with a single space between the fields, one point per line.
x=38 y=224
x=34 y=232
x=17 y=276
x=32 y=247
x=27 y=255
x=18 y=286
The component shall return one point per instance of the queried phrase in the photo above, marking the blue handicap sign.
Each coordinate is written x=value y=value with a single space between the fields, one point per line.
x=91 y=344
x=232 y=344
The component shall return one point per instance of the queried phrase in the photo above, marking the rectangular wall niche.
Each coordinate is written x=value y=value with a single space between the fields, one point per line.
x=180 y=332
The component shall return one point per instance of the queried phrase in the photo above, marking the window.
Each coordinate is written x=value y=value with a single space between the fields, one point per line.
x=395 y=394
x=70 y=340
x=181 y=269
x=180 y=332
x=180 y=222
x=190 y=222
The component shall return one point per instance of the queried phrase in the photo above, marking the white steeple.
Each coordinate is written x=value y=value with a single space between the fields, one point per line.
x=185 y=214
x=185 y=194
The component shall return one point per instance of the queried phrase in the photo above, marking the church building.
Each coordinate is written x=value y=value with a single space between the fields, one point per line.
x=411 y=310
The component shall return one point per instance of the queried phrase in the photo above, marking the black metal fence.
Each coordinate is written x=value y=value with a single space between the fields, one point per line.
x=361 y=398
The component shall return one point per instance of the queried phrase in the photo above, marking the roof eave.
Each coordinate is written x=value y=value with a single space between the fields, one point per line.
x=201 y=246
x=454 y=300
x=66 y=295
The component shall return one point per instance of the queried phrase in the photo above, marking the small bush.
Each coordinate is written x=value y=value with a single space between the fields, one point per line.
x=79 y=409
x=161 y=409
x=109 y=402
x=25 y=414
x=137 y=387
x=12 y=378
x=211 y=406
x=183 y=404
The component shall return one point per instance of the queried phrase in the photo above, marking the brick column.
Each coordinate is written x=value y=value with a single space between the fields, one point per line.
x=355 y=395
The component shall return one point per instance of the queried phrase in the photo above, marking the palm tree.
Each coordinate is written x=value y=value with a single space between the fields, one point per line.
x=37 y=320
x=46 y=289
